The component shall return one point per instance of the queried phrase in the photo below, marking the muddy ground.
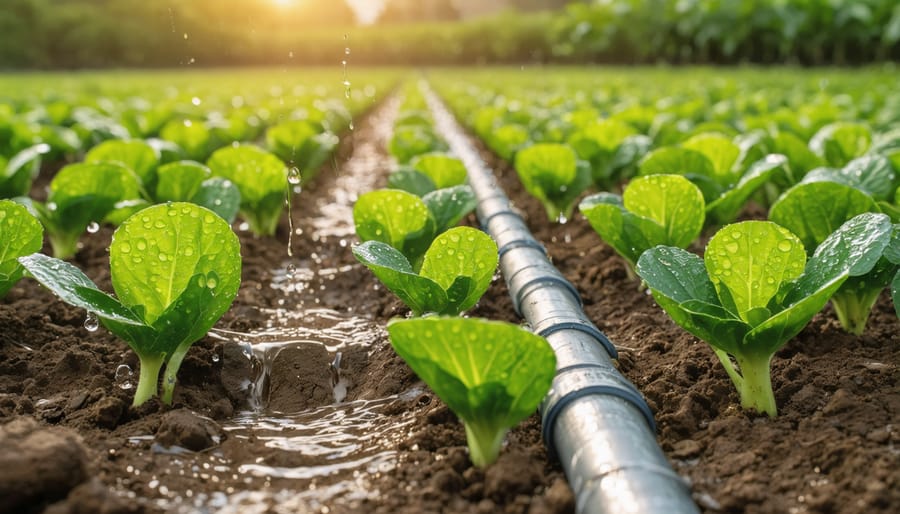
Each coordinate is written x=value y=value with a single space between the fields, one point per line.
x=237 y=442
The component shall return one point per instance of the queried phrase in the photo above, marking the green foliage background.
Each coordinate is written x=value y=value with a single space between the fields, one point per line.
x=166 y=33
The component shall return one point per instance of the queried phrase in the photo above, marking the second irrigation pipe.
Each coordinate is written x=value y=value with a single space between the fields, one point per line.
x=593 y=419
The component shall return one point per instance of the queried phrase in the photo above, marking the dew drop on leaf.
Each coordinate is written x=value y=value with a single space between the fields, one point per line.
x=294 y=176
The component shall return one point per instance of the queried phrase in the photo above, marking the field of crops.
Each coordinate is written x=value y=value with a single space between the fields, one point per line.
x=267 y=291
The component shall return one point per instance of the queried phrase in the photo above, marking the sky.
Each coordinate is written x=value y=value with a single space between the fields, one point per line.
x=366 y=10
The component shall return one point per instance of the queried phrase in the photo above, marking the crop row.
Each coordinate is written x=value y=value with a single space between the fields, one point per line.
x=491 y=374
x=175 y=261
x=824 y=169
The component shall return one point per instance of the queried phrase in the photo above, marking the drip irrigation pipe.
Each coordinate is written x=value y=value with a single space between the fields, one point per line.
x=594 y=421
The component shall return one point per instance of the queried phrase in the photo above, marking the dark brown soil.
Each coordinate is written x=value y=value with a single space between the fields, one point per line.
x=71 y=443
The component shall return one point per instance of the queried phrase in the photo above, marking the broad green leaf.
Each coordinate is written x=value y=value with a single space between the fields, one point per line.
x=628 y=234
x=288 y=139
x=552 y=174
x=261 y=178
x=462 y=261
x=219 y=195
x=397 y=218
x=411 y=181
x=75 y=288
x=601 y=136
x=721 y=152
x=871 y=173
x=695 y=166
x=20 y=234
x=448 y=206
x=21 y=170
x=420 y=294
x=672 y=201
x=509 y=139
x=155 y=253
x=180 y=181
x=410 y=141
x=192 y=136
x=136 y=155
x=814 y=210
x=80 y=194
x=840 y=142
x=748 y=262
x=491 y=374
x=727 y=207
x=444 y=170
x=801 y=159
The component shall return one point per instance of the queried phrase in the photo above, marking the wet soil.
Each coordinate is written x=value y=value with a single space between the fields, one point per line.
x=359 y=433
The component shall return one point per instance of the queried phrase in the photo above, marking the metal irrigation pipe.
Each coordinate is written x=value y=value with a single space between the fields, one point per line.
x=593 y=419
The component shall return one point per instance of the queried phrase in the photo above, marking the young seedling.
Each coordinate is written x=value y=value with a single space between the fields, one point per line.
x=20 y=234
x=813 y=210
x=490 y=374
x=17 y=174
x=752 y=293
x=410 y=141
x=444 y=170
x=692 y=164
x=81 y=194
x=300 y=144
x=840 y=142
x=175 y=269
x=653 y=210
x=189 y=181
x=456 y=271
x=136 y=155
x=728 y=205
x=553 y=174
x=260 y=177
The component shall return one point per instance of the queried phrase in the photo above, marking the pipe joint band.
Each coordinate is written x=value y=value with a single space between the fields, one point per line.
x=543 y=281
x=580 y=326
x=485 y=223
x=582 y=380
x=521 y=243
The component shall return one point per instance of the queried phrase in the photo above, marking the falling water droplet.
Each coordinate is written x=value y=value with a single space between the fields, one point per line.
x=93 y=227
x=124 y=373
x=215 y=357
x=91 y=323
x=291 y=269
x=562 y=219
x=294 y=176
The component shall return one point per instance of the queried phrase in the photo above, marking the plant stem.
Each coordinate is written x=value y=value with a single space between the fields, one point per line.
x=65 y=245
x=853 y=309
x=484 y=443
x=756 y=385
x=148 y=379
x=171 y=375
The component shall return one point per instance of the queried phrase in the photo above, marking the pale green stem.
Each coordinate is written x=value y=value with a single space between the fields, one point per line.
x=171 y=375
x=148 y=379
x=484 y=443
x=853 y=309
x=756 y=391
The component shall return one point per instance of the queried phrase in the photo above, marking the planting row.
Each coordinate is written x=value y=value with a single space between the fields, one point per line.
x=492 y=375
x=825 y=169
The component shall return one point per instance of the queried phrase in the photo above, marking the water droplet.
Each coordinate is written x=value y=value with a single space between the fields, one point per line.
x=91 y=323
x=732 y=247
x=215 y=357
x=785 y=245
x=562 y=219
x=124 y=373
x=294 y=176
x=93 y=227
x=736 y=235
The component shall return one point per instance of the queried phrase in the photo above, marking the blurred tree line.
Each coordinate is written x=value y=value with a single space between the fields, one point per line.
x=47 y=34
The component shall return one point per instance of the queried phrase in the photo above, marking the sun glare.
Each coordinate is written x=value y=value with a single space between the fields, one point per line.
x=284 y=3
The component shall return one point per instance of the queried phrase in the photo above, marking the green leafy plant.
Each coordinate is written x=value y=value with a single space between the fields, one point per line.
x=812 y=211
x=300 y=144
x=490 y=374
x=410 y=141
x=728 y=205
x=553 y=174
x=396 y=218
x=136 y=155
x=444 y=170
x=20 y=171
x=456 y=271
x=20 y=234
x=752 y=293
x=261 y=178
x=81 y=194
x=653 y=210
x=407 y=179
x=175 y=269
x=193 y=137
x=694 y=165
x=189 y=181
x=839 y=143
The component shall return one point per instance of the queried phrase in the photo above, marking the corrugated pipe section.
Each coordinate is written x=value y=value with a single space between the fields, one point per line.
x=594 y=420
